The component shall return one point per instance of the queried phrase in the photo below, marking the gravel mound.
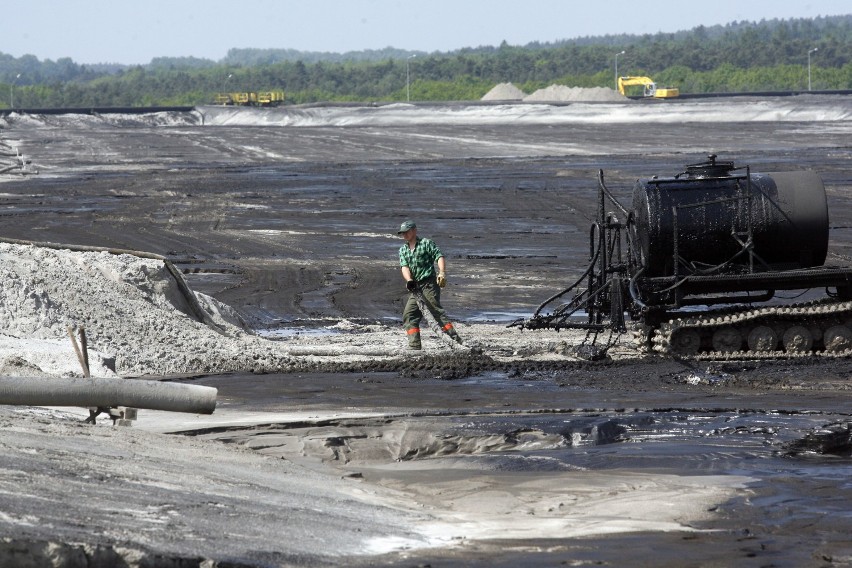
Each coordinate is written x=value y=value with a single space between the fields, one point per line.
x=561 y=93
x=504 y=92
x=136 y=319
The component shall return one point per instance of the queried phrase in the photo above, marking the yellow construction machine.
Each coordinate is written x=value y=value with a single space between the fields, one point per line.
x=266 y=98
x=650 y=88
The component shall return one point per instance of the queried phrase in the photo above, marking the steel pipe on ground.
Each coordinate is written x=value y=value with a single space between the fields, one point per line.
x=108 y=393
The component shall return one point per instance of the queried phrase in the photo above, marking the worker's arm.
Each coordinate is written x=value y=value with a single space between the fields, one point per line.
x=442 y=266
x=406 y=273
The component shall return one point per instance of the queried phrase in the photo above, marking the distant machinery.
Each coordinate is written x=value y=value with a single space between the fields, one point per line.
x=264 y=99
x=650 y=88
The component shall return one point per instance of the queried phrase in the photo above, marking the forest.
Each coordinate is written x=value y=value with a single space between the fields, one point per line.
x=770 y=55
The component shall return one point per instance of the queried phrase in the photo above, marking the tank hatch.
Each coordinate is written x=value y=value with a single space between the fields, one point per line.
x=712 y=168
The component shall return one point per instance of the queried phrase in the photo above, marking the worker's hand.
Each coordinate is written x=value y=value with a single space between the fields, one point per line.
x=411 y=285
x=442 y=280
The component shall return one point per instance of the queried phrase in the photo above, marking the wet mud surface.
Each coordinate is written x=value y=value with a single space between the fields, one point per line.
x=294 y=228
x=781 y=428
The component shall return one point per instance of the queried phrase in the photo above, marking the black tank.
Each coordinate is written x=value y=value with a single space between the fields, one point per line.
x=712 y=214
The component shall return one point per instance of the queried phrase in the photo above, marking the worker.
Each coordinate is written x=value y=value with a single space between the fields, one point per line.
x=417 y=259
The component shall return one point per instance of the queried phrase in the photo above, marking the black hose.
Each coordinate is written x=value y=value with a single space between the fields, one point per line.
x=574 y=285
x=634 y=291
x=606 y=191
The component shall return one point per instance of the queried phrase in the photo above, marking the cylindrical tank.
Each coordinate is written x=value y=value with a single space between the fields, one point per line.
x=707 y=215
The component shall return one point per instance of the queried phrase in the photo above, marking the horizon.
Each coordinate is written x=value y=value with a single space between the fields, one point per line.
x=101 y=33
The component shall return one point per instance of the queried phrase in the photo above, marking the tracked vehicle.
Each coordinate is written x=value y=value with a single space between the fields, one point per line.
x=699 y=264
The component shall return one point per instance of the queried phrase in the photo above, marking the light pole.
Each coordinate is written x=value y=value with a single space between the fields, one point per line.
x=616 y=69
x=12 y=91
x=809 y=65
x=224 y=97
x=408 y=78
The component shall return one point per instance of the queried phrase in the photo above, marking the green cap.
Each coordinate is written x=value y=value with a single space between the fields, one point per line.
x=406 y=226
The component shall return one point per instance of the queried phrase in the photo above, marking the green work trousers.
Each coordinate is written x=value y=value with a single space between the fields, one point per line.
x=412 y=315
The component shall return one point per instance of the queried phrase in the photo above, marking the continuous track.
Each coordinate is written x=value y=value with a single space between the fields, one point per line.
x=822 y=328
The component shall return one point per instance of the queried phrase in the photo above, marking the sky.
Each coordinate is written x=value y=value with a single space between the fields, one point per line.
x=121 y=31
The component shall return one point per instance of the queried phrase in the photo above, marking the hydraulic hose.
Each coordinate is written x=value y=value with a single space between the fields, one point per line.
x=575 y=284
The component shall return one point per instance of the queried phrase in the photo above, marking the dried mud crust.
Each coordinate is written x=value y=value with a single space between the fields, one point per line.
x=455 y=365
x=488 y=347
x=450 y=365
x=627 y=370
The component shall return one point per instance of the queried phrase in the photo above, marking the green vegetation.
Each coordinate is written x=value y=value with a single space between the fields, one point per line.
x=739 y=57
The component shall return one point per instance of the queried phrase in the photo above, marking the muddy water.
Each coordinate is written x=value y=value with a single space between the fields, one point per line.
x=501 y=431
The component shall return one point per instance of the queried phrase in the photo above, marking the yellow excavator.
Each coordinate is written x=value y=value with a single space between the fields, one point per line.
x=650 y=88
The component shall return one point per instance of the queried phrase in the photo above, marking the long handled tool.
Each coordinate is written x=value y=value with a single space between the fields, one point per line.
x=428 y=309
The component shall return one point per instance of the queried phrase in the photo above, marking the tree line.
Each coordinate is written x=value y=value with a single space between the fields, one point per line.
x=769 y=55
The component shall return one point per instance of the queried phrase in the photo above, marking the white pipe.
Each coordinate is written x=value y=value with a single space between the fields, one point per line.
x=108 y=393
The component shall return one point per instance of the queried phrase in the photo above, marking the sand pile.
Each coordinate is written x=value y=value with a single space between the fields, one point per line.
x=561 y=93
x=554 y=93
x=504 y=92
x=136 y=319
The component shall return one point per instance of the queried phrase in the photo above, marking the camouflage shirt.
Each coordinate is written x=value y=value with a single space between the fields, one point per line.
x=421 y=261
